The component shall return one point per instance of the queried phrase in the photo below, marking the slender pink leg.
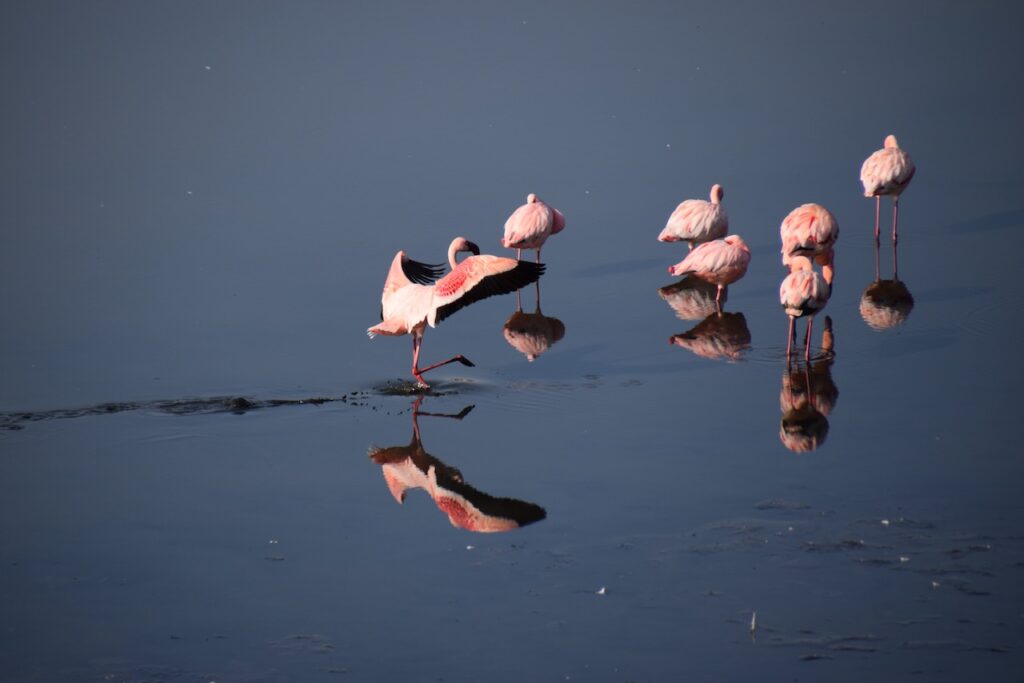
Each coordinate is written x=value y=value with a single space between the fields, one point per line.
x=789 y=340
x=878 y=202
x=895 y=216
x=537 y=283
x=519 y=254
x=416 y=360
x=415 y=413
x=807 y=339
x=519 y=302
x=538 y=254
x=895 y=262
x=454 y=359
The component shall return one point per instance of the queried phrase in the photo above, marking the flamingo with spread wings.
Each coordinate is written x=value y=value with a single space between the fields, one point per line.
x=415 y=297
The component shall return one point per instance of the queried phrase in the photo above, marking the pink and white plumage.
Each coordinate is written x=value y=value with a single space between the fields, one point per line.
x=803 y=293
x=412 y=299
x=530 y=225
x=720 y=262
x=887 y=172
x=809 y=230
x=696 y=220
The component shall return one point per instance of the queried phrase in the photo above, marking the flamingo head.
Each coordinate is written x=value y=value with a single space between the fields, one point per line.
x=531 y=198
x=717 y=194
x=890 y=142
x=461 y=245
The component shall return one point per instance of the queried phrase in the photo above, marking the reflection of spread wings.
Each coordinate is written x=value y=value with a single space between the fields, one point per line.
x=410 y=466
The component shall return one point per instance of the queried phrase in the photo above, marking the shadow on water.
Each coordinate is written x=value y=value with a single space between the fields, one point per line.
x=807 y=397
x=410 y=467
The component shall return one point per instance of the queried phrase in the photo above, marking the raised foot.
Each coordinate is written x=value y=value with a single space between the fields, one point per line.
x=465 y=361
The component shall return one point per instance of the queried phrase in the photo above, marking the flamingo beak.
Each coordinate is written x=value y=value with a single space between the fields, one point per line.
x=472 y=248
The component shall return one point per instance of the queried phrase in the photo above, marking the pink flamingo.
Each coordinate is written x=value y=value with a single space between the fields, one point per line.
x=412 y=299
x=530 y=225
x=804 y=293
x=887 y=171
x=695 y=220
x=720 y=262
x=809 y=230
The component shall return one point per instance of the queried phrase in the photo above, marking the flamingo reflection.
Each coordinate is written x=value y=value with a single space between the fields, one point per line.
x=692 y=298
x=531 y=334
x=410 y=466
x=720 y=336
x=886 y=303
x=807 y=398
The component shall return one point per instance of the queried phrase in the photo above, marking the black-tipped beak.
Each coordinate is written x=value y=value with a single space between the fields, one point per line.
x=472 y=248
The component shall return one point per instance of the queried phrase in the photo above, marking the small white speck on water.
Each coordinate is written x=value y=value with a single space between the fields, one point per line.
x=935 y=584
x=586 y=191
x=886 y=522
x=904 y=558
x=753 y=622
x=274 y=541
x=188 y=192
x=208 y=67
x=470 y=547
x=602 y=590
x=790 y=528
x=668 y=146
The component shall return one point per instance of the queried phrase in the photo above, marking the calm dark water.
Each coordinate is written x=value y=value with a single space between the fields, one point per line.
x=200 y=203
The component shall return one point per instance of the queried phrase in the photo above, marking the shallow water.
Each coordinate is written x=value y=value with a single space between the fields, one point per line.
x=200 y=203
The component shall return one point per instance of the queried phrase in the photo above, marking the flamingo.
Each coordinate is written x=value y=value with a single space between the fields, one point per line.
x=887 y=171
x=531 y=334
x=720 y=262
x=695 y=220
x=804 y=293
x=530 y=225
x=809 y=230
x=412 y=299
x=807 y=398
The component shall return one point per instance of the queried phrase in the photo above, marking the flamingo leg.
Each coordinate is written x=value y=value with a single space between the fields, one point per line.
x=789 y=340
x=519 y=254
x=807 y=339
x=538 y=254
x=895 y=263
x=537 y=285
x=895 y=216
x=878 y=203
x=415 y=413
x=454 y=359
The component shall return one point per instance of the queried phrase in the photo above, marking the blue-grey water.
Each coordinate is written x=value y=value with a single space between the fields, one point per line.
x=199 y=203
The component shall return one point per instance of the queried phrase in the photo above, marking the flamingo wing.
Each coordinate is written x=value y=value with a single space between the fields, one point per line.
x=886 y=171
x=421 y=273
x=479 y=277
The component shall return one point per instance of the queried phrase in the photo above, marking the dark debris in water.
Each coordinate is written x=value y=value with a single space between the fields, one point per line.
x=237 y=405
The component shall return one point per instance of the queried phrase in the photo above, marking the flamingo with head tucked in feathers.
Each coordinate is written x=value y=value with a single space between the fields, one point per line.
x=887 y=172
x=804 y=293
x=530 y=225
x=809 y=230
x=720 y=262
x=414 y=297
x=695 y=220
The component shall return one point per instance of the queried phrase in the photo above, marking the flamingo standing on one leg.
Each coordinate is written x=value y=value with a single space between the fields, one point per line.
x=412 y=299
x=720 y=262
x=887 y=171
x=695 y=220
x=809 y=230
x=804 y=293
x=530 y=225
